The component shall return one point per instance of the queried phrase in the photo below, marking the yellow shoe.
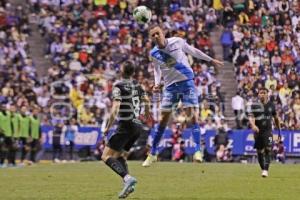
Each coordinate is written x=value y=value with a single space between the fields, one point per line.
x=150 y=159
x=198 y=157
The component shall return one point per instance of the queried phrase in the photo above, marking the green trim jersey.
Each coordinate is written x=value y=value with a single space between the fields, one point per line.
x=34 y=127
x=24 y=126
x=5 y=123
x=15 y=118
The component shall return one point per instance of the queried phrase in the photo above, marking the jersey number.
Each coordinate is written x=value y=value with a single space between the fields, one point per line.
x=136 y=106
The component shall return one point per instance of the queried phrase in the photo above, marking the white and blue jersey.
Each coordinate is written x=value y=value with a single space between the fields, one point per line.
x=172 y=64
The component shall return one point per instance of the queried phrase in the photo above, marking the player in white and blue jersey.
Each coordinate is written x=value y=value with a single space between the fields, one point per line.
x=171 y=64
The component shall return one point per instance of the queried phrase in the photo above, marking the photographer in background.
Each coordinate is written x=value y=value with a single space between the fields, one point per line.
x=221 y=141
x=70 y=129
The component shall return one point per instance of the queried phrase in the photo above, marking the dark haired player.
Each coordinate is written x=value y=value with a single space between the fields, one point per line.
x=127 y=98
x=261 y=114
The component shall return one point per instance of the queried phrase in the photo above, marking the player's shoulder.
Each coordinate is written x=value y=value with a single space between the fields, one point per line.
x=173 y=40
x=121 y=86
x=135 y=82
x=118 y=84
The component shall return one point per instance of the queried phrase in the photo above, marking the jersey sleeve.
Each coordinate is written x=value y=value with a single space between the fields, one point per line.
x=116 y=93
x=194 y=51
x=157 y=72
x=142 y=92
x=249 y=109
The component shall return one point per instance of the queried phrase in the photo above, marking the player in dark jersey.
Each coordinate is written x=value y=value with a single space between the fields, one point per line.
x=261 y=114
x=127 y=98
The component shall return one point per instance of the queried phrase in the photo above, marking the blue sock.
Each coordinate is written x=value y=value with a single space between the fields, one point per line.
x=157 y=136
x=196 y=136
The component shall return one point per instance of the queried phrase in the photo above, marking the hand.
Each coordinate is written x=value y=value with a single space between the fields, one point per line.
x=157 y=88
x=217 y=62
x=105 y=132
x=255 y=129
x=148 y=114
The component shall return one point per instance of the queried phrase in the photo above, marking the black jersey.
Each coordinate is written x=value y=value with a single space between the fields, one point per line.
x=129 y=92
x=263 y=114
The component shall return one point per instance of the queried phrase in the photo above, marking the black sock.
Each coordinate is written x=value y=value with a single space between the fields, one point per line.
x=2 y=158
x=124 y=164
x=267 y=160
x=11 y=156
x=116 y=165
x=32 y=155
x=261 y=160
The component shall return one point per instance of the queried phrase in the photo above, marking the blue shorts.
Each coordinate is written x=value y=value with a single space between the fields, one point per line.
x=184 y=91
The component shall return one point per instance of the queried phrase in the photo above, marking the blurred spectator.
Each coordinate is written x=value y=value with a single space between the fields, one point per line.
x=221 y=141
x=57 y=151
x=227 y=43
x=279 y=152
x=238 y=107
x=70 y=129
x=178 y=151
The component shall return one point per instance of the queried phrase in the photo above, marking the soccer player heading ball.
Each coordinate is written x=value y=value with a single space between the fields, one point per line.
x=171 y=63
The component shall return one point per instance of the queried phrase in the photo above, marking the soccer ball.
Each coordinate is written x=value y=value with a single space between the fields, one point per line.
x=142 y=14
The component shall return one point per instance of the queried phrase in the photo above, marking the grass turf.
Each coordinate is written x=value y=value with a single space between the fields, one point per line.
x=162 y=181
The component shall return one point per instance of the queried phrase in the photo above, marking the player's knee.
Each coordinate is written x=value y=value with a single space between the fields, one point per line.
x=260 y=151
x=105 y=157
x=268 y=150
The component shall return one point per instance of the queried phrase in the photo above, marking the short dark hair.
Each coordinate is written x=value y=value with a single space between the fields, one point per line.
x=128 y=69
x=263 y=89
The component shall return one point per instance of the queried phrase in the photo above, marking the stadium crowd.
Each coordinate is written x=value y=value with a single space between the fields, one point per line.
x=17 y=83
x=87 y=41
x=264 y=38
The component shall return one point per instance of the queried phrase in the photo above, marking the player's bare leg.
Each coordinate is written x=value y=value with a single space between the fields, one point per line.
x=152 y=157
x=193 y=122
x=117 y=163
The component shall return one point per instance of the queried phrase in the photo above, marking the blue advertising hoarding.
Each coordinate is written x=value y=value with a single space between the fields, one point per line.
x=240 y=141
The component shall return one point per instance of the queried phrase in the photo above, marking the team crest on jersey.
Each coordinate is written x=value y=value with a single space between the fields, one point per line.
x=164 y=58
x=270 y=109
x=116 y=92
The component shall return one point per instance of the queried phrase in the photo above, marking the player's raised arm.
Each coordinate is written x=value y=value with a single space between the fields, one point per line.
x=157 y=77
x=199 y=54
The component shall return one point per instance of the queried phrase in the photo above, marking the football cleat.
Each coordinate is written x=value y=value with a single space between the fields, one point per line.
x=128 y=188
x=265 y=174
x=150 y=159
x=198 y=157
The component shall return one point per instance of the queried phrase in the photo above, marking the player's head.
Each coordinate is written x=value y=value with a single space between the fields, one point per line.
x=157 y=35
x=263 y=94
x=127 y=70
x=23 y=109
x=13 y=108
x=35 y=111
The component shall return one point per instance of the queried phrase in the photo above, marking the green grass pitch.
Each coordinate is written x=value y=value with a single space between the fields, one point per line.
x=162 y=181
